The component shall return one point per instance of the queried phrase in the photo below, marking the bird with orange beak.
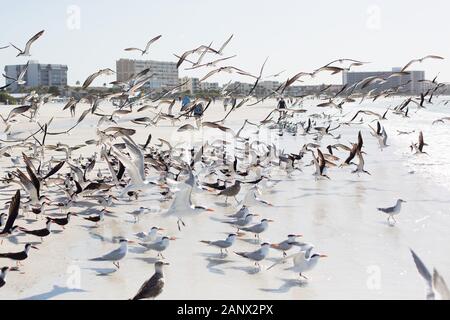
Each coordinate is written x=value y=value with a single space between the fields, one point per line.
x=287 y=244
x=303 y=261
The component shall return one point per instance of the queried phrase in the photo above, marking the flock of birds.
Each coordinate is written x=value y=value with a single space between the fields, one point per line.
x=44 y=179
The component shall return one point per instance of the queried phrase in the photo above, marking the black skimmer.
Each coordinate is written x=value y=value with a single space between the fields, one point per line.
x=18 y=256
x=26 y=52
x=44 y=232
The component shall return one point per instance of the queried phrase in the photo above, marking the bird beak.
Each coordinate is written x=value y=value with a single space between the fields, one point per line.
x=209 y=210
x=256 y=215
x=270 y=221
x=131 y=241
x=74 y=214
x=323 y=256
x=275 y=246
x=299 y=235
x=115 y=198
x=161 y=229
x=166 y=263
x=172 y=238
x=35 y=247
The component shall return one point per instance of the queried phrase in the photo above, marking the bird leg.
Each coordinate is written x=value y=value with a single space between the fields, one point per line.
x=302 y=276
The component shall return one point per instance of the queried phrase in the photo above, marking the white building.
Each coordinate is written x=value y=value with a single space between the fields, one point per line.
x=209 y=86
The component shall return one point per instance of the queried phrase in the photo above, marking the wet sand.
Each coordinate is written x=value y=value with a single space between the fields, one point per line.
x=367 y=258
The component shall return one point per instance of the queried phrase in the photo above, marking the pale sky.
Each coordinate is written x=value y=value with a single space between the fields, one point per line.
x=296 y=35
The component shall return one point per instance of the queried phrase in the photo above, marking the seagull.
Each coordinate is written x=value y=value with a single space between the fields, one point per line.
x=391 y=211
x=153 y=286
x=231 y=191
x=436 y=286
x=3 y=275
x=145 y=51
x=303 y=261
x=222 y=244
x=18 y=256
x=116 y=255
x=26 y=51
x=159 y=245
x=257 y=255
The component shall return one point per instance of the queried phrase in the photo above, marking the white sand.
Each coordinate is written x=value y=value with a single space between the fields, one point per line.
x=367 y=258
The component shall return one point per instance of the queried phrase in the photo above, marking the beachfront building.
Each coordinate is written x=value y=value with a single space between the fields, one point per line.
x=411 y=81
x=191 y=85
x=37 y=75
x=164 y=74
x=209 y=86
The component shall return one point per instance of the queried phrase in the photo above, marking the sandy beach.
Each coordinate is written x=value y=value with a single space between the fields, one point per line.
x=367 y=258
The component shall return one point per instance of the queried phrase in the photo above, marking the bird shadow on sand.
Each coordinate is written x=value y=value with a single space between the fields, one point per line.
x=214 y=261
x=223 y=204
x=286 y=286
x=102 y=272
x=148 y=260
x=255 y=241
x=248 y=270
x=55 y=291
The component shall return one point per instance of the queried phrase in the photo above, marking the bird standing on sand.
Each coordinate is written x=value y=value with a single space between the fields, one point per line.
x=63 y=221
x=222 y=244
x=153 y=286
x=18 y=256
x=116 y=255
x=392 y=211
x=257 y=255
x=302 y=261
x=287 y=244
x=159 y=245
x=231 y=191
x=258 y=228
x=44 y=232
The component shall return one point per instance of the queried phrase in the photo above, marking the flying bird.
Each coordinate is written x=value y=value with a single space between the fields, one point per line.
x=145 y=51
x=26 y=52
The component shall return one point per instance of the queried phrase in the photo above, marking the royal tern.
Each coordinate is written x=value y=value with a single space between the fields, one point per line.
x=257 y=255
x=158 y=245
x=222 y=244
x=116 y=255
